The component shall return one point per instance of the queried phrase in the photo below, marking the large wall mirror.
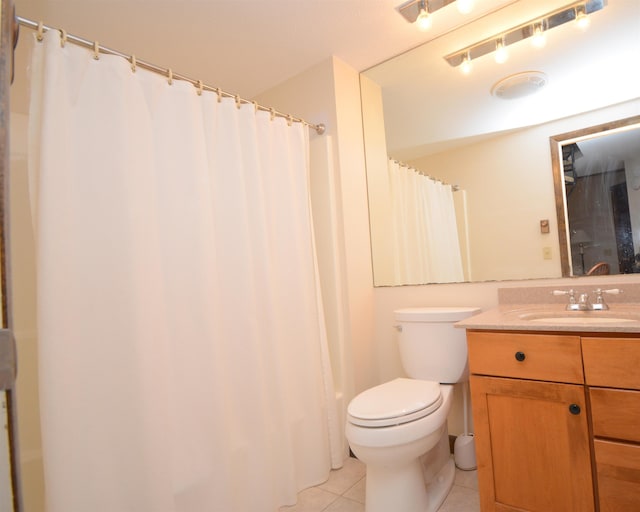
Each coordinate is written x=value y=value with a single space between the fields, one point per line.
x=488 y=153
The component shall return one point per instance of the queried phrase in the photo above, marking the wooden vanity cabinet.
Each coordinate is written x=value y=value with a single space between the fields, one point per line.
x=531 y=426
x=612 y=374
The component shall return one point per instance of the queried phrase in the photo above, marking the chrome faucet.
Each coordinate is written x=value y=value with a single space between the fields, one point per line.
x=583 y=303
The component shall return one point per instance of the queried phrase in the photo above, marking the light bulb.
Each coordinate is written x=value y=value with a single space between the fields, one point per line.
x=424 y=19
x=582 y=20
x=464 y=6
x=465 y=65
x=501 y=52
x=538 y=38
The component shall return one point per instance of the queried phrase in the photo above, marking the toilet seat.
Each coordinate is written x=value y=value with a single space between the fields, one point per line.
x=395 y=403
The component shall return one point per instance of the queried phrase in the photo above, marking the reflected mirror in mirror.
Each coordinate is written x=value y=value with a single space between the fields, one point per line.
x=597 y=185
x=488 y=154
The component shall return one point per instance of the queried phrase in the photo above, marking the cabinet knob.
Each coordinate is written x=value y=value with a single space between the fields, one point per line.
x=574 y=409
x=520 y=356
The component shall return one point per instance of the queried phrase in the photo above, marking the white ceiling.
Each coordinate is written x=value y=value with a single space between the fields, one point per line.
x=248 y=46
x=242 y=46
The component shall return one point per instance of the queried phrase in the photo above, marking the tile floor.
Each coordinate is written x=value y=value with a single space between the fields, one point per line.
x=344 y=492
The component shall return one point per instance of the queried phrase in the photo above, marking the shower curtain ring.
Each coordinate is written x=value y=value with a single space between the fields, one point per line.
x=63 y=37
x=200 y=87
x=238 y=101
x=134 y=63
x=96 y=50
x=170 y=76
x=40 y=33
x=219 y=93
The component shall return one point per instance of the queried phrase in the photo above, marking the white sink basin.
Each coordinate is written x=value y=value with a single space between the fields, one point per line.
x=581 y=317
x=564 y=320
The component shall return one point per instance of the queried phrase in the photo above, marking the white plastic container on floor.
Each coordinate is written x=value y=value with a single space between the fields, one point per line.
x=464 y=452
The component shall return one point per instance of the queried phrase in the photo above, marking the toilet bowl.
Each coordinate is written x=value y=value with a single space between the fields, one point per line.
x=393 y=453
x=399 y=429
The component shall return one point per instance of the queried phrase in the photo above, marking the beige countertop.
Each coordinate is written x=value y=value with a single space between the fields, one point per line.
x=620 y=318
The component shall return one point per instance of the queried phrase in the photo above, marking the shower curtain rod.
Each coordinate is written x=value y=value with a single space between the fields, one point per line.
x=454 y=187
x=97 y=48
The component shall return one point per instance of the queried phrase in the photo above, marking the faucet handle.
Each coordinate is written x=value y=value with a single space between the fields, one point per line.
x=570 y=293
x=612 y=291
x=572 y=305
x=599 y=303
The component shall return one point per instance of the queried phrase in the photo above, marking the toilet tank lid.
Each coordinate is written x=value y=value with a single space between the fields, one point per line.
x=434 y=314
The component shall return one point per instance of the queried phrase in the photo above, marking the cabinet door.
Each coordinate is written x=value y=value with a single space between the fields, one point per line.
x=532 y=446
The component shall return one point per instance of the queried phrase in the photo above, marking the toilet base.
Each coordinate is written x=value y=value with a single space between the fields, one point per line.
x=403 y=489
x=397 y=488
x=439 y=488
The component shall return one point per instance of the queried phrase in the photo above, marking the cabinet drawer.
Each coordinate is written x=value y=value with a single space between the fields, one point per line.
x=526 y=356
x=618 y=469
x=612 y=362
x=615 y=413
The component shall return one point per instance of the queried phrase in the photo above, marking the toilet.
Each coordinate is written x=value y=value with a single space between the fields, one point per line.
x=399 y=429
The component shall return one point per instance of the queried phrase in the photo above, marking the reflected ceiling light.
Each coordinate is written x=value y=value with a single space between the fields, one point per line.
x=538 y=38
x=526 y=30
x=501 y=54
x=465 y=66
x=464 y=6
x=424 y=18
x=582 y=20
x=419 y=11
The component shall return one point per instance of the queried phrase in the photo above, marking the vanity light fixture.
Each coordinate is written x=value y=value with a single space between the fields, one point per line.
x=535 y=29
x=538 y=38
x=501 y=54
x=582 y=20
x=424 y=18
x=465 y=66
x=420 y=12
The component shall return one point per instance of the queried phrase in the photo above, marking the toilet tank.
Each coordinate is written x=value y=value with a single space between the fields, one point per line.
x=431 y=348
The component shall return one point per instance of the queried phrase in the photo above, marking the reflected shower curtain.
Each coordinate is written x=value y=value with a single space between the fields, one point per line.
x=183 y=358
x=426 y=245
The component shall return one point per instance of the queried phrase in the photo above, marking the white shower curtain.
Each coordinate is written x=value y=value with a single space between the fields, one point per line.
x=426 y=248
x=182 y=351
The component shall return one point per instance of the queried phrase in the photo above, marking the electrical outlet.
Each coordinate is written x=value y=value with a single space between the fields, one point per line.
x=546 y=253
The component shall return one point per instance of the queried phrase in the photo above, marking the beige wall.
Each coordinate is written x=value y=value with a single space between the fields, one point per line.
x=378 y=189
